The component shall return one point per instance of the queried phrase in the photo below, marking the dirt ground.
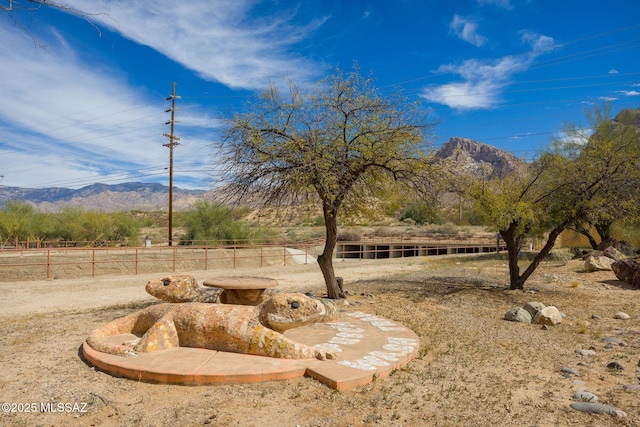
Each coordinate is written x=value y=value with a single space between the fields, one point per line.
x=473 y=369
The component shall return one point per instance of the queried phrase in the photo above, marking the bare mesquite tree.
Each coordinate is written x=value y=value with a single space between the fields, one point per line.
x=334 y=144
x=15 y=7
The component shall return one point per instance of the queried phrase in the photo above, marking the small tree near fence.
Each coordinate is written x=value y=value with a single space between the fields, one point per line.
x=334 y=144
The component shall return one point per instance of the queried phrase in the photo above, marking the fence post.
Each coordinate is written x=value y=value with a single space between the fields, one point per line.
x=136 y=261
x=234 y=254
x=206 y=257
x=49 y=264
x=93 y=263
x=175 y=253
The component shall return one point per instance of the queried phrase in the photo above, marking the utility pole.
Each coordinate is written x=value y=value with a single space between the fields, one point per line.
x=173 y=141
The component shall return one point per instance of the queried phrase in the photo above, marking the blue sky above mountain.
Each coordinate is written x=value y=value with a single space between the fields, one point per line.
x=85 y=99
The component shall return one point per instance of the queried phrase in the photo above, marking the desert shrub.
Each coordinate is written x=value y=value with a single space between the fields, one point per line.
x=214 y=221
x=21 y=221
x=95 y=228
x=348 y=236
x=313 y=221
x=421 y=213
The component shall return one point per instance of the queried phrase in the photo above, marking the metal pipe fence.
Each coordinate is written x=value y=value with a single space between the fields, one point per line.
x=75 y=262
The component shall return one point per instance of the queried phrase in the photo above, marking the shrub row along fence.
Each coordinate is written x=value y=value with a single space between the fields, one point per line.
x=74 y=262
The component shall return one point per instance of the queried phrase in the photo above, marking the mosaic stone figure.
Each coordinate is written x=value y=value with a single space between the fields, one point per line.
x=181 y=288
x=255 y=330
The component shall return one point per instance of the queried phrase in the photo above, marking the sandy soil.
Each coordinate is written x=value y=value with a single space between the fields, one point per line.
x=474 y=368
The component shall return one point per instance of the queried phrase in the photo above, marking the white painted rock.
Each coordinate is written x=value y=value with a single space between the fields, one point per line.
x=621 y=315
x=549 y=316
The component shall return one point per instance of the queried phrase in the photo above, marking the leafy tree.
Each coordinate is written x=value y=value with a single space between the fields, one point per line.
x=333 y=145
x=76 y=224
x=421 y=213
x=17 y=220
x=574 y=181
x=622 y=133
x=213 y=221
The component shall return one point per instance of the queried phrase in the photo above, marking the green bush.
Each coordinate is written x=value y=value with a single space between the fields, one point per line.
x=20 y=221
x=213 y=221
x=421 y=213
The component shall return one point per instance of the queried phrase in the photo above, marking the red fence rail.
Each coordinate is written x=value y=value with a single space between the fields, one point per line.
x=72 y=262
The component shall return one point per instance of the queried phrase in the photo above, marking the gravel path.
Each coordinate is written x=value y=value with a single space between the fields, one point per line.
x=46 y=296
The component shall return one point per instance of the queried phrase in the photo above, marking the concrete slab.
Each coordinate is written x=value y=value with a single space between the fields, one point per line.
x=368 y=347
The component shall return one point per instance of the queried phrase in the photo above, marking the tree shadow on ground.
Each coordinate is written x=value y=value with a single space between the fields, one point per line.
x=620 y=284
x=418 y=287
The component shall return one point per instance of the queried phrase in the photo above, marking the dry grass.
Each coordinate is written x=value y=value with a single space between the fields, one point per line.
x=474 y=369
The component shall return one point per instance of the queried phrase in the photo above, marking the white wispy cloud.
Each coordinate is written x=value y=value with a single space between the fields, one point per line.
x=629 y=92
x=483 y=80
x=72 y=122
x=466 y=29
x=217 y=39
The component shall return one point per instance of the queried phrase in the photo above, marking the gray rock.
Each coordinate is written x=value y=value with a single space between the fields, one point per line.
x=615 y=366
x=613 y=253
x=613 y=340
x=518 y=314
x=534 y=307
x=628 y=270
x=597 y=408
x=585 y=396
x=621 y=316
x=632 y=387
x=598 y=263
x=583 y=352
x=566 y=371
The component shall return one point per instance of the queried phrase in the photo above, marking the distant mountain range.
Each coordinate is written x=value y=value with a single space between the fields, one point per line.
x=468 y=155
x=104 y=197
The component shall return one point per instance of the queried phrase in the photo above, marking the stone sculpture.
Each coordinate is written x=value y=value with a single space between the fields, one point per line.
x=181 y=288
x=255 y=330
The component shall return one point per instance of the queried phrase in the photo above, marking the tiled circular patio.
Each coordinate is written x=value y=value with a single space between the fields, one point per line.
x=367 y=346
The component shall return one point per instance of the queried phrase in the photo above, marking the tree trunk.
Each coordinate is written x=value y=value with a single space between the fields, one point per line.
x=513 y=249
x=603 y=227
x=551 y=241
x=325 y=260
x=587 y=233
x=592 y=240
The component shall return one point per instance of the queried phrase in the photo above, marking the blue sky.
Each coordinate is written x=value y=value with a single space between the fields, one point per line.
x=84 y=100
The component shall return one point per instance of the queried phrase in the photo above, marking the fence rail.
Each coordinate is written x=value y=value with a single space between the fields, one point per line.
x=74 y=262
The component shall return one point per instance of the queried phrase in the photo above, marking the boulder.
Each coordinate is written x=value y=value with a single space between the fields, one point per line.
x=518 y=314
x=534 y=307
x=621 y=245
x=598 y=263
x=627 y=270
x=549 y=316
x=613 y=253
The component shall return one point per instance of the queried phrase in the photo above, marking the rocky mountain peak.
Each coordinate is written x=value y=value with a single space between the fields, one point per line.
x=470 y=156
x=628 y=116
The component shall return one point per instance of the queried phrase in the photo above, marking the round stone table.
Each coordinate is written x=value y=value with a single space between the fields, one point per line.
x=241 y=289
